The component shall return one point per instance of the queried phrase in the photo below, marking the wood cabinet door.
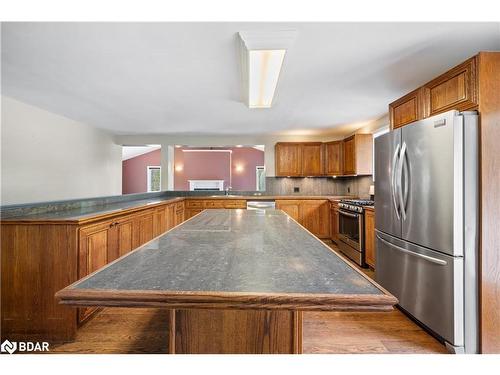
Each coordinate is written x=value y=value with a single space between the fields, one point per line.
x=312 y=159
x=144 y=230
x=160 y=221
x=335 y=223
x=124 y=236
x=95 y=243
x=455 y=89
x=170 y=216
x=287 y=158
x=179 y=213
x=334 y=156
x=349 y=156
x=370 y=238
x=407 y=109
x=291 y=207
x=315 y=217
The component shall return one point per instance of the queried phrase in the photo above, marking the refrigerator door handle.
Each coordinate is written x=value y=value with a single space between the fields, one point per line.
x=426 y=257
x=400 y=179
x=393 y=175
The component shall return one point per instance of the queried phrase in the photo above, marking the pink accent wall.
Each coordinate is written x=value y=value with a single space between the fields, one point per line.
x=200 y=166
x=216 y=166
x=248 y=158
x=134 y=172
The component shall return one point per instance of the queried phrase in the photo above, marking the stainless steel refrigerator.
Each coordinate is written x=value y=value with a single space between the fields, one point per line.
x=426 y=221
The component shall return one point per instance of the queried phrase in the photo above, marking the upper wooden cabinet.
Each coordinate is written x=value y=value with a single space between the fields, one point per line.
x=455 y=89
x=288 y=159
x=352 y=156
x=358 y=155
x=312 y=159
x=407 y=109
x=334 y=158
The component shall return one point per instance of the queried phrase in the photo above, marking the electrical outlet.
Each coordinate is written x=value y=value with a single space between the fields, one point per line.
x=296 y=189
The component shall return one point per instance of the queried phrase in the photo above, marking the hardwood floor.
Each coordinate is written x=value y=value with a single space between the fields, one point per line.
x=135 y=330
x=130 y=330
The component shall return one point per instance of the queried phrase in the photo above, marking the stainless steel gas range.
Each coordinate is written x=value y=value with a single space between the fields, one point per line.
x=352 y=228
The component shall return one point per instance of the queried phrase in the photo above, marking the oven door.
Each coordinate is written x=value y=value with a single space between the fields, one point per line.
x=350 y=229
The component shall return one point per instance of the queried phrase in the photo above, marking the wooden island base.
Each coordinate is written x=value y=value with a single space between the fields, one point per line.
x=199 y=331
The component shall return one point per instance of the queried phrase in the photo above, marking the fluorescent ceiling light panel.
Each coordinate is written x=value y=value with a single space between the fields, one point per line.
x=263 y=72
x=262 y=57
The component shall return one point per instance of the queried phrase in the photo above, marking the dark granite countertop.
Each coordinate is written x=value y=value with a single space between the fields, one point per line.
x=79 y=214
x=233 y=251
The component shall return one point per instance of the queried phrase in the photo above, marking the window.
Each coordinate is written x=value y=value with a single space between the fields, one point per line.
x=154 y=178
x=260 y=178
x=376 y=134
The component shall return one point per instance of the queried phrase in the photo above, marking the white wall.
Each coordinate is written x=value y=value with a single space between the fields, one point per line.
x=47 y=157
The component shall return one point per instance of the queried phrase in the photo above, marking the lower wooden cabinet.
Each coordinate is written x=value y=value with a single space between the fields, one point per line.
x=291 y=207
x=313 y=214
x=195 y=206
x=170 y=212
x=190 y=212
x=315 y=217
x=159 y=221
x=124 y=232
x=144 y=228
x=370 y=238
x=95 y=251
x=179 y=213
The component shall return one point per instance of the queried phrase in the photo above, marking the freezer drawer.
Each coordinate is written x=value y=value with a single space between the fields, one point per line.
x=428 y=284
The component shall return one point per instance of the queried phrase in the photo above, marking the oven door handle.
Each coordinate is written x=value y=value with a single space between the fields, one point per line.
x=355 y=216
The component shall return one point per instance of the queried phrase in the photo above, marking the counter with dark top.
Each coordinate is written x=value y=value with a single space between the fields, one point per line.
x=83 y=213
x=77 y=213
x=221 y=260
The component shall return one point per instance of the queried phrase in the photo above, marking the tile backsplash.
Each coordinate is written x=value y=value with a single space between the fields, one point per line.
x=356 y=186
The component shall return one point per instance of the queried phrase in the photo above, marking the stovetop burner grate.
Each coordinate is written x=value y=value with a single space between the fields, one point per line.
x=358 y=202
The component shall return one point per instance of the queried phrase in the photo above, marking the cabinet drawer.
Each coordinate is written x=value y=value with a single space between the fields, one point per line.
x=214 y=204
x=179 y=206
x=235 y=204
x=194 y=204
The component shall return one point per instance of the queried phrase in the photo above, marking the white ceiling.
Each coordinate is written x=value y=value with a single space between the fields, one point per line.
x=160 y=78
x=129 y=152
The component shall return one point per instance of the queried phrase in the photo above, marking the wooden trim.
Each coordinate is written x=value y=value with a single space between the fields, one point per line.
x=297 y=331
x=226 y=300
x=489 y=278
x=171 y=331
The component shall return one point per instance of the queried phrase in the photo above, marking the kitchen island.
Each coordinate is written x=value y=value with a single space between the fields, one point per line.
x=233 y=281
